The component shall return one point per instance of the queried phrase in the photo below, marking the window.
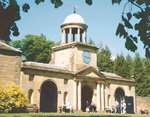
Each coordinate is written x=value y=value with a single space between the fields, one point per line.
x=31 y=77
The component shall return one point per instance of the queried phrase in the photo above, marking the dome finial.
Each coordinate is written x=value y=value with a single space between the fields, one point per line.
x=75 y=8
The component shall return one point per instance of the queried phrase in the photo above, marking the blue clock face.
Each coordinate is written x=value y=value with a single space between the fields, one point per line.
x=86 y=56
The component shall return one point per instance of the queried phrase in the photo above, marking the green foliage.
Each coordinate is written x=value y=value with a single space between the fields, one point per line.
x=119 y=65
x=104 y=61
x=142 y=85
x=128 y=66
x=35 y=48
x=12 y=99
x=89 y=2
x=142 y=26
x=91 y=42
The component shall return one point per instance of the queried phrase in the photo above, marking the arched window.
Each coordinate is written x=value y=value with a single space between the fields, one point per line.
x=30 y=96
x=65 y=97
x=109 y=100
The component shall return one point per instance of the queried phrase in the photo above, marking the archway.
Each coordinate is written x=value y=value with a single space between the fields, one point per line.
x=48 y=97
x=119 y=95
x=86 y=95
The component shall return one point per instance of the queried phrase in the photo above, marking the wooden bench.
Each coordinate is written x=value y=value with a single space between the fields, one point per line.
x=107 y=110
x=32 y=109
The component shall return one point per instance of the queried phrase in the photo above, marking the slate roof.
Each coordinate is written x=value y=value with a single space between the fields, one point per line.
x=46 y=67
x=111 y=75
x=7 y=47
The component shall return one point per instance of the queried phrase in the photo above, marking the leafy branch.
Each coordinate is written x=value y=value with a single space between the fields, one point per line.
x=143 y=26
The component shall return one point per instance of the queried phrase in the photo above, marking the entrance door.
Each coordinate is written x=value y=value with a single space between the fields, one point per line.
x=129 y=104
x=119 y=95
x=86 y=95
x=48 y=98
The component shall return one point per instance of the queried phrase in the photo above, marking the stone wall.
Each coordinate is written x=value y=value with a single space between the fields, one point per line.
x=10 y=65
x=142 y=102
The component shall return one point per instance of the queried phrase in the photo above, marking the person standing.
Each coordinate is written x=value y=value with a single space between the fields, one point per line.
x=124 y=107
x=116 y=106
x=87 y=106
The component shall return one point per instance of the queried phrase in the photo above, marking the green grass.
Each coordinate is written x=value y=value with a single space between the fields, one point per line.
x=70 y=115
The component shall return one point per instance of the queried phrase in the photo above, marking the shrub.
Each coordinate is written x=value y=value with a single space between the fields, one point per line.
x=12 y=99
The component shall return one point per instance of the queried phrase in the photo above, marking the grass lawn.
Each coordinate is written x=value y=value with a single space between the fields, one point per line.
x=70 y=115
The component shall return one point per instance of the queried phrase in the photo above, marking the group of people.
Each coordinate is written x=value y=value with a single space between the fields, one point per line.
x=90 y=107
x=117 y=108
x=66 y=108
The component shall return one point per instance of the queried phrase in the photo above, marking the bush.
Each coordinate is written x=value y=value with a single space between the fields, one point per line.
x=12 y=99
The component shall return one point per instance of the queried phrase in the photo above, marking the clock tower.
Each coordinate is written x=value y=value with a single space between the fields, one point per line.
x=74 y=52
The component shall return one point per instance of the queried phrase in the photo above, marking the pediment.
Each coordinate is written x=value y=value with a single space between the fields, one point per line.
x=90 y=72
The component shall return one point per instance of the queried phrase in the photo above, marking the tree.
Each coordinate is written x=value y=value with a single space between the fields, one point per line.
x=142 y=26
x=141 y=81
x=104 y=61
x=119 y=65
x=91 y=42
x=35 y=48
x=128 y=66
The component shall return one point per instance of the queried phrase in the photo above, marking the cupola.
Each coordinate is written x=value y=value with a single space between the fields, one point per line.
x=74 y=29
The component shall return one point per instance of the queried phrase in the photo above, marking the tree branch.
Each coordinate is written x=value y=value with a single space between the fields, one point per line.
x=137 y=6
x=124 y=7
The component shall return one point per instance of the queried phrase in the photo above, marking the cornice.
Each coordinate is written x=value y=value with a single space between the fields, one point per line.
x=72 y=45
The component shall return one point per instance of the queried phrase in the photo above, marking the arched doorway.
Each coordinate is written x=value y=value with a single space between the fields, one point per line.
x=48 y=98
x=86 y=95
x=119 y=95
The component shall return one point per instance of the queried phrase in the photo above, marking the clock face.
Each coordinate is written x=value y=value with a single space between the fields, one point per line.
x=86 y=56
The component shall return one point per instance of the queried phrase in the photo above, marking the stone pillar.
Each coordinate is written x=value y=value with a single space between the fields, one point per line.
x=75 y=98
x=98 y=97
x=37 y=100
x=78 y=34
x=70 y=35
x=102 y=96
x=63 y=36
x=84 y=38
x=79 y=96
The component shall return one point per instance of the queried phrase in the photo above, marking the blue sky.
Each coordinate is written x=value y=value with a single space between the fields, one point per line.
x=101 y=17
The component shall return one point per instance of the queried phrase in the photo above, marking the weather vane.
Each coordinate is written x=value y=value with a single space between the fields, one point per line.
x=75 y=8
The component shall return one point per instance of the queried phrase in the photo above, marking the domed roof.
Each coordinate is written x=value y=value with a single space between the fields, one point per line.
x=74 y=18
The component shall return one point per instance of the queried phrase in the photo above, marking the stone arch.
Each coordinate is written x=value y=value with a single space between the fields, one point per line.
x=30 y=96
x=58 y=88
x=86 y=95
x=91 y=85
x=48 y=96
x=119 y=94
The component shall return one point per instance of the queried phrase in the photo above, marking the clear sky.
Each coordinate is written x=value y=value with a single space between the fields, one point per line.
x=101 y=17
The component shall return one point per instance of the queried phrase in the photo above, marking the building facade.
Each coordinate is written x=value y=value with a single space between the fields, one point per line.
x=72 y=76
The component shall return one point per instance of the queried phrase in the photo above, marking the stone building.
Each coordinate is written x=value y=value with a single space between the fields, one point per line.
x=72 y=76
x=10 y=64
